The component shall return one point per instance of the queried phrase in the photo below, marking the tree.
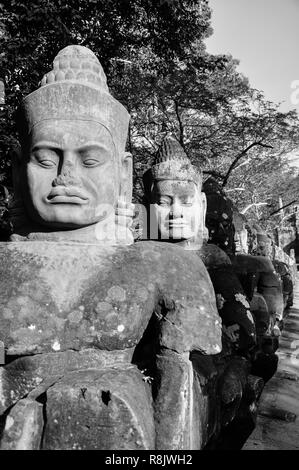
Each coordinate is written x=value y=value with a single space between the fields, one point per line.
x=154 y=54
x=152 y=34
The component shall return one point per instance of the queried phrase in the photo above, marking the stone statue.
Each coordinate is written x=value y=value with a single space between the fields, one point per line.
x=73 y=173
x=177 y=207
x=262 y=287
x=264 y=243
x=98 y=331
x=241 y=232
x=219 y=219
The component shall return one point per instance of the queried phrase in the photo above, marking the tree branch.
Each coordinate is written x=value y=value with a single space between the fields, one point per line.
x=214 y=173
x=255 y=204
x=239 y=156
x=181 y=138
x=283 y=207
x=234 y=189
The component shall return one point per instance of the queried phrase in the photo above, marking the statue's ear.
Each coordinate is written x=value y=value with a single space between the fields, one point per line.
x=126 y=184
x=16 y=162
x=204 y=213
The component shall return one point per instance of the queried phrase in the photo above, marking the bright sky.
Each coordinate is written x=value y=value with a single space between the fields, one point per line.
x=264 y=36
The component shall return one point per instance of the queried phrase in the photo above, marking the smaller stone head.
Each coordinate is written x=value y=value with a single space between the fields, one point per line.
x=173 y=192
x=73 y=169
x=219 y=218
x=241 y=233
x=263 y=243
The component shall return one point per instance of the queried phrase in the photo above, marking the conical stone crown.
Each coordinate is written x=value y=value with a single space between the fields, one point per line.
x=78 y=64
x=170 y=149
x=172 y=163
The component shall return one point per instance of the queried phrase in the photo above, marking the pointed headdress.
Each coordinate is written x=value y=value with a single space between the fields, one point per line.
x=76 y=88
x=171 y=163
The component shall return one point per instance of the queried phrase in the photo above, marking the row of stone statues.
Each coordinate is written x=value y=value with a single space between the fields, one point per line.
x=110 y=344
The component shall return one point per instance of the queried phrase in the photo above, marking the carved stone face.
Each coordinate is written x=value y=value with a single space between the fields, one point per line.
x=264 y=249
x=71 y=176
x=241 y=241
x=178 y=209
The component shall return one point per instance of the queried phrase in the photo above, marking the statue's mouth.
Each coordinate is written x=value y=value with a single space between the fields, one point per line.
x=178 y=224
x=67 y=195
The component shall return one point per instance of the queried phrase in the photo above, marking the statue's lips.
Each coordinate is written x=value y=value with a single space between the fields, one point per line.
x=64 y=195
x=178 y=224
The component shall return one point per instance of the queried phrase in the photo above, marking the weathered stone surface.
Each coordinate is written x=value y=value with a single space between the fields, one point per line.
x=107 y=409
x=232 y=385
x=260 y=312
x=185 y=419
x=285 y=275
x=23 y=427
x=232 y=303
x=45 y=308
x=254 y=388
x=213 y=256
x=219 y=218
x=258 y=271
x=269 y=285
x=35 y=374
x=245 y=264
x=14 y=386
x=177 y=425
x=207 y=405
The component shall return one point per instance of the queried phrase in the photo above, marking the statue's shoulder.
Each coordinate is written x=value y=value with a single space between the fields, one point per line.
x=172 y=264
x=186 y=297
x=162 y=264
x=213 y=256
x=249 y=264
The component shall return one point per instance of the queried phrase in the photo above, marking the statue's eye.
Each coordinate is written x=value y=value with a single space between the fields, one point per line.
x=164 y=202
x=48 y=163
x=91 y=157
x=187 y=202
x=46 y=158
x=90 y=162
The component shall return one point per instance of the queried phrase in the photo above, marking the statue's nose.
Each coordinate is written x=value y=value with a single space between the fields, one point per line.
x=68 y=174
x=176 y=210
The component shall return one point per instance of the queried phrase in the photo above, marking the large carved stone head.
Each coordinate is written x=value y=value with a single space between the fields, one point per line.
x=173 y=191
x=73 y=170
